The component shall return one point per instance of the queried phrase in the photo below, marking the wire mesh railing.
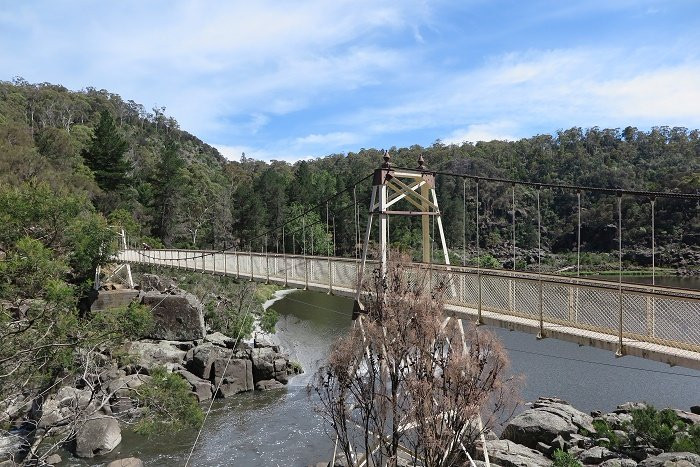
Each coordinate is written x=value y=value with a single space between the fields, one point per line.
x=661 y=315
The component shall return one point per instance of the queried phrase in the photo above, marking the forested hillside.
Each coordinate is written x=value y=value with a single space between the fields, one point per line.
x=165 y=186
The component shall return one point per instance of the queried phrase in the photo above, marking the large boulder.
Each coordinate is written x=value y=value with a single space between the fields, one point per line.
x=596 y=455
x=672 y=459
x=97 y=436
x=547 y=419
x=176 y=317
x=268 y=364
x=232 y=369
x=152 y=283
x=232 y=376
x=263 y=366
x=619 y=463
x=151 y=354
x=509 y=454
x=201 y=388
x=128 y=462
x=220 y=339
x=200 y=359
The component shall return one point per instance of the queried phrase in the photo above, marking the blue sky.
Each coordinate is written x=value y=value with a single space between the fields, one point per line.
x=290 y=80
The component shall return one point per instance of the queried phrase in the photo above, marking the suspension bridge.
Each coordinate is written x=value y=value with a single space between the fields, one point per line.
x=648 y=321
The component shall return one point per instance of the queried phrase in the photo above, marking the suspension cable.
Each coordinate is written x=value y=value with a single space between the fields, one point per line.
x=356 y=220
x=478 y=248
x=464 y=222
x=513 y=226
x=653 y=241
x=578 y=236
x=658 y=194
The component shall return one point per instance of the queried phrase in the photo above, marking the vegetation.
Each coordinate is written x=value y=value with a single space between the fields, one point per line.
x=168 y=187
x=405 y=380
x=665 y=430
x=565 y=459
x=168 y=403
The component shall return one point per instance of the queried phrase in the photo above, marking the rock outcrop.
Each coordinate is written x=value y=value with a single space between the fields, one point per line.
x=176 y=317
x=672 y=459
x=547 y=419
x=97 y=436
x=509 y=454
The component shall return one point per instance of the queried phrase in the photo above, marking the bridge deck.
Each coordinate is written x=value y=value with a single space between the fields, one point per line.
x=657 y=323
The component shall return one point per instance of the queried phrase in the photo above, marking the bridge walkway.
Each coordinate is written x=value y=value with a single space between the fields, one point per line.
x=657 y=323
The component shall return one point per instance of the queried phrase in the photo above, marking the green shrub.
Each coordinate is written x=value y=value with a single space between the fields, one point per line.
x=488 y=261
x=603 y=430
x=169 y=405
x=656 y=427
x=565 y=459
x=268 y=320
x=690 y=443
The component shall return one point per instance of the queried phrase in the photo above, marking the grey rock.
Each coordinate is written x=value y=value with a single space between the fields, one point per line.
x=268 y=384
x=151 y=283
x=616 y=421
x=695 y=409
x=545 y=449
x=200 y=359
x=97 y=436
x=266 y=340
x=53 y=459
x=235 y=377
x=152 y=354
x=542 y=423
x=202 y=388
x=263 y=367
x=596 y=455
x=688 y=417
x=128 y=462
x=672 y=459
x=618 y=463
x=630 y=406
x=509 y=454
x=220 y=339
x=176 y=317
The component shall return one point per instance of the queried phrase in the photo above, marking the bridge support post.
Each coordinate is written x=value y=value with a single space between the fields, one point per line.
x=417 y=187
x=330 y=277
x=251 y=264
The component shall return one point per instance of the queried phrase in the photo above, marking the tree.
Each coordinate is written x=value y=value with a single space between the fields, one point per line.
x=408 y=383
x=105 y=156
x=167 y=182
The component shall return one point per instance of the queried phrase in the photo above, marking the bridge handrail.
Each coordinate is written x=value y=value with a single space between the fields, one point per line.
x=545 y=277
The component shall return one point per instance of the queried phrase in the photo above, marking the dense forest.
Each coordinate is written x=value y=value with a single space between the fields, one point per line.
x=166 y=187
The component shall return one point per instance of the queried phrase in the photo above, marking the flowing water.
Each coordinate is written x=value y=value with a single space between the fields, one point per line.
x=280 y=427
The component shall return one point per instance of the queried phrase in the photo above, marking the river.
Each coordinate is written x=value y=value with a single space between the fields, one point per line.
x=281 y=428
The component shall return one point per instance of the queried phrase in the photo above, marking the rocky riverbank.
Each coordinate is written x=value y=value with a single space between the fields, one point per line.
x=87 y=418
x=553 y=433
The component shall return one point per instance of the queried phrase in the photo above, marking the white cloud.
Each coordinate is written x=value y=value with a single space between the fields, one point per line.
x=333 y=139
x=502 y=130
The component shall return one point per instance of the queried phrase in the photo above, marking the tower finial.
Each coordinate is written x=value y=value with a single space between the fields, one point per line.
x=387 y=159
x=421 y=162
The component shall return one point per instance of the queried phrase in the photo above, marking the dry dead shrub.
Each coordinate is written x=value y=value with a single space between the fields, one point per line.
x=407 y=382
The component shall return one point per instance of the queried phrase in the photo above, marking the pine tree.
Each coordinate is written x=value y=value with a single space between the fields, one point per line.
x=105 y=156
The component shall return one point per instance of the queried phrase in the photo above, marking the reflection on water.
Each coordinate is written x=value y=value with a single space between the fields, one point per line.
x=684 y=282
x=280 y=427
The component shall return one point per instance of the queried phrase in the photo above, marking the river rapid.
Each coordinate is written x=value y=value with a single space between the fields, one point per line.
x=281 y=428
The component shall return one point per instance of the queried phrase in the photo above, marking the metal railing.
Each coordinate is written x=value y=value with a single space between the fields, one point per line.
x=660 y=315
